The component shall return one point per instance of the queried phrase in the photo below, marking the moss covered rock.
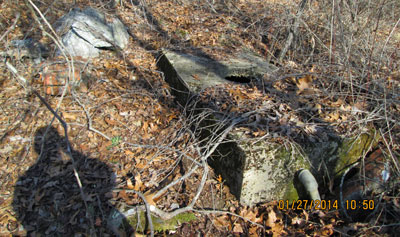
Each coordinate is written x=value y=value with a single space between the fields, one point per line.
x=352 y=149
x=337 y=154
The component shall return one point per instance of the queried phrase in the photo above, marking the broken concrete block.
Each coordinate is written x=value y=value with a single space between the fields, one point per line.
x=258 y=170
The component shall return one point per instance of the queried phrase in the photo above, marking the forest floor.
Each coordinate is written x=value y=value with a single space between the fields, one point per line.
x=128 y=135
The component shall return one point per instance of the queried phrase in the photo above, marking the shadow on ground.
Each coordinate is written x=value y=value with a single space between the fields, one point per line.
x=47 y=198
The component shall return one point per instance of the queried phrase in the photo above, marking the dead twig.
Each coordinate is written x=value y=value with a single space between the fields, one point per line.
x=228 y=213
x=69 y=152
x=12 y=26
x=147 y=206
x=89 y=118
x=205 y=155
x=292 y=30
x=22 y=81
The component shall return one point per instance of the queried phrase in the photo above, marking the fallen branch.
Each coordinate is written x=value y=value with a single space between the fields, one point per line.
x=292 y=31
x=11 y=27
x=147 y=206
x=228 y=213
x=168 y=215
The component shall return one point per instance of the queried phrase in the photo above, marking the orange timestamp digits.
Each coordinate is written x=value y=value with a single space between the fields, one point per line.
x=308 y=204
x=359 y=204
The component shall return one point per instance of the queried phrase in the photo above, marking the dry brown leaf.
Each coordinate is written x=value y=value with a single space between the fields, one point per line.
x=346 y=107
x=253 y=231
x=338 y=103
x=360 y=106
x=83 y=147
x=149 y=198
x=333 y=117
x=259 y=133
x=145 y=126
x=300 y=222
x=304 y=83
x=292 y=64
x=306 y=214
x=343 y=118
x=128 y=152
x=327 y=230
x=70 y=116
x=277 y=230
x=271 y=218
x=252 y=216
x=140 y=235
x=98 y=222
x=234 y=109
x=146 y=136
x=237 y=228
x=129 y=184
x=110 y=121
x=122 y=194
x=222 y=221
x=170 y=117
x=141 y=164
x=219 y=178
x=196 y=77
x=138 y=183
x=153 y=127
x=105 y=145
x=318 y=107
x=396 y=202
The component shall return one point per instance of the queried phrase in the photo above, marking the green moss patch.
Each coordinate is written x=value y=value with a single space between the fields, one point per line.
x=139 y=222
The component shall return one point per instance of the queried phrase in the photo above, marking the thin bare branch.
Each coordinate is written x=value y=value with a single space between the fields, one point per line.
x=12 y=26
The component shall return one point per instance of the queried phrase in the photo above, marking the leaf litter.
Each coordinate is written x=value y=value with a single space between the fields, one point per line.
x=128 y=99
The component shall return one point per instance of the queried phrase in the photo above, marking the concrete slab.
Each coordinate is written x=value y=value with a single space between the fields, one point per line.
x=190 y=73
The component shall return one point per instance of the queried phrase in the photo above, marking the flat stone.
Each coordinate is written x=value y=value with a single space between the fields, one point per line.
x=189 y=74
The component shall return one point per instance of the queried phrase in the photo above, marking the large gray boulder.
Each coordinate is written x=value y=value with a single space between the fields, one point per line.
x=85 y=33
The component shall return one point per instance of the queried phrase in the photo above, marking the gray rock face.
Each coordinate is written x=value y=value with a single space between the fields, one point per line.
x=84 y=33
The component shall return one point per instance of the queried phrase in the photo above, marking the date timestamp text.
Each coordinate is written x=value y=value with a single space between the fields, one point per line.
x=326 y=204
x=308 y=204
